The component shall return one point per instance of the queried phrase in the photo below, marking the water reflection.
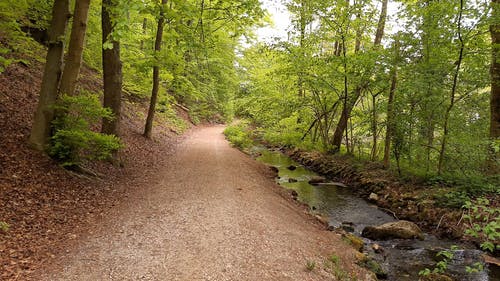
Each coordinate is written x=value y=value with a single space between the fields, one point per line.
x=403 y=259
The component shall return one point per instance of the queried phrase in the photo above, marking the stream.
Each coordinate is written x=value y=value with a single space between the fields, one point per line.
x=401 y=259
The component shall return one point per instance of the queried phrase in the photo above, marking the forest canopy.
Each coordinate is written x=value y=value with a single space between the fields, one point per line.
x=417 y=95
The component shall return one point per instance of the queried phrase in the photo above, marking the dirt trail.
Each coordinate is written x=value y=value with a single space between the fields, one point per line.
x=216 y=215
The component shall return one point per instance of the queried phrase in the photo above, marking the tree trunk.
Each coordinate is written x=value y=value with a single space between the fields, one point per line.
x=348 y=105
x=144 y=31
x=156 y=74
x=112 y=72
x=374 y=128
x=381 y=24
x=444 y=140
x=390 y=119
x=344 y=116
x=390 y=106
x=495 y=83
x=75 y=50
x=44 y=115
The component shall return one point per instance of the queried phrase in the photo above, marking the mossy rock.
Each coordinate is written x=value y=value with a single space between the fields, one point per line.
x=398 y=229
x=353 y=240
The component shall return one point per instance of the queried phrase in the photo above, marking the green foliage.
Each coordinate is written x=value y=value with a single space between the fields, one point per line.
x=442 y=265
x=197 y=56
x=4 y=62
x=73 y=140
x=4 y=226
x=460 y=190
x=334 y=259
x=474 y=268
x=295 y=90
x=287 y=132
x=451 y=198
x=166 y=110
x=239 y=135
x=16 y=16
x=483 y=223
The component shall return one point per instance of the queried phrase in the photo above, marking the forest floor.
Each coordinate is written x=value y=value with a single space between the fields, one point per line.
x=47 y=207
x=215 y=214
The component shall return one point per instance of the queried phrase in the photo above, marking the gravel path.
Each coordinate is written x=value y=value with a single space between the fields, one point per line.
x=215 y=215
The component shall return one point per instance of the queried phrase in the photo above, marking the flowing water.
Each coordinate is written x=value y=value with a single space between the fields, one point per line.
x=402 y=259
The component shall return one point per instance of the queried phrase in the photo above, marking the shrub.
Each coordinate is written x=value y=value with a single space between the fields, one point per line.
x=238 y=135
x=73 y=140
x=483 y=223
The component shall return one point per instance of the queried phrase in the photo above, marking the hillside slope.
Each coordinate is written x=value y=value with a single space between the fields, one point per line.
x=46 y=206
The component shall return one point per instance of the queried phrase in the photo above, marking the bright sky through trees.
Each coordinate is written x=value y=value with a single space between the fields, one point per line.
x=281 y=20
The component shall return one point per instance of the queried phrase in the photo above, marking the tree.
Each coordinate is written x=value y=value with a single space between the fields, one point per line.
x=74 y=57
x=112 y=69
x=495 y=77
x=390 y=106
x=454 y=86
x=156 y=72
x=44 y=115
x=349 y=102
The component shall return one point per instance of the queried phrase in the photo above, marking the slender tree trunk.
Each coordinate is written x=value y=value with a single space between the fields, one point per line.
x=112 y=72
x=390 y=106
x=302 y=27
x=336 y=49
x=156 y=74
x=75 y=50
x=495 y=85
x=344 y=116
x=381 y=24
x=431 y=126
x=410 y=133
x=444 y=140
x=359 y=33
x=144 y=31
x=374 y=128
x=44 y=115
x=390 y=119
x=349 y=104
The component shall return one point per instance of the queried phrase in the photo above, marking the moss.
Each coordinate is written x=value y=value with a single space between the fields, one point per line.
x=370 y=264
x=356 y=242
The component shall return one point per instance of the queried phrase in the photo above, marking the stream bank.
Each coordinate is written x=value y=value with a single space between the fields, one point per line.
x=398 y=259
x=404 y=200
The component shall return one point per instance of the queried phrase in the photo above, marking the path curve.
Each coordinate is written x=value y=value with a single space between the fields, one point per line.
x=215 y=215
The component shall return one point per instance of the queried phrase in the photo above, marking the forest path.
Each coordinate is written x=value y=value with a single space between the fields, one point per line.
x=215 y=215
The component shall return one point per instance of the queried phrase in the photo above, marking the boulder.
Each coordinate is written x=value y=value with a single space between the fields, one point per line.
x=291 y=167
x=317 y=180
x=292 y=180
x=399 y=229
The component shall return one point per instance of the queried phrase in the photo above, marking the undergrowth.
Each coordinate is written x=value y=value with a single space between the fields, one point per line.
x=239 y=135
x=74 y=140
